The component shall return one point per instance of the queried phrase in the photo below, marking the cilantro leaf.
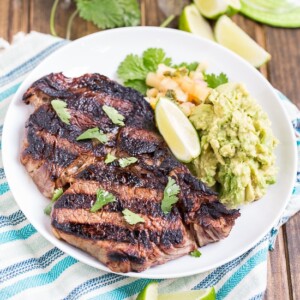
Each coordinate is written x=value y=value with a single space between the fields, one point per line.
x=109 y=13
x=137 y=84
x=57 y=193
x=131 y=12
x=170 y=195
x=132 y=68
x=126 y=161
x=132 y=218
x=109 y=158
x=93 y=133
x=152 y=57
x=214 y=80
x=190 y=66
x=103 y=198
x=60 y=108
x=114 y=115
x=195 y=253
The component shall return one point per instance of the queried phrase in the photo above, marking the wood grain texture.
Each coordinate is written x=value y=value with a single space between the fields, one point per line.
x=284 y=68
x=278 y=277
x=283 y=71
x=40 y=16
x=14 y=16
x=293 y=251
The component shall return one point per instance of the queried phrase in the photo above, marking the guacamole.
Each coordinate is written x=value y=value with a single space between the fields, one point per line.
x=237 y=145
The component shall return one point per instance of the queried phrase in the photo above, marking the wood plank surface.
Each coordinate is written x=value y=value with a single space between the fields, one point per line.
x=14 y=16
x=284 y=46
x=278 y=276
x=283 y=71
x=293 y=252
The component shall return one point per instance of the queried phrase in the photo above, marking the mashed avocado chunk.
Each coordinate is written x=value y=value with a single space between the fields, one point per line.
x=237 y=145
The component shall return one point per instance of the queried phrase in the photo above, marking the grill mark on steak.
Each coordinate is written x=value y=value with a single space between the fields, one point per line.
x=139 y=141
x=130 y=176
x=108 y=232
x=39 y=149
x=121 y=257
x=154 y=226
x=136 y=205
x=58 y=160
x=120 y=191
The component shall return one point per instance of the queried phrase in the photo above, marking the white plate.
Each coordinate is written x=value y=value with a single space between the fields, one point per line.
x=102 y=52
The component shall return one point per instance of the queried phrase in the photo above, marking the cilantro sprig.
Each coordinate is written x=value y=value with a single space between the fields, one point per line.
x=133 y=69
x=132 y=218
x=195 y=253
x=93 y=133
x=102 y=198
x=56 y=195
x=170 y=195
x=114 y=115
x=60 y=108
x=214 y=80
x=103 y=13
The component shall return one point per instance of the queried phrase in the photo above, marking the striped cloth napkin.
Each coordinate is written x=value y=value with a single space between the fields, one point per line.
x=31 y=268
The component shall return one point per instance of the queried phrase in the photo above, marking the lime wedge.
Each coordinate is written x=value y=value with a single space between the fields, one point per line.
x=149 y=292
x=212 y=9
x=205 y=294
x=231 y=36
x=177 y=130
x=191 y=21
x=283 y=13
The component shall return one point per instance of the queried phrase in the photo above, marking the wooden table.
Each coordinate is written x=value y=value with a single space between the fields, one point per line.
x=283 y=72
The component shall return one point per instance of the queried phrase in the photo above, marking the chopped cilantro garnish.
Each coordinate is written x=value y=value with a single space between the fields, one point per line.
x=60 y=108
x=132 y=218
x=195 y=253
x=93 y=133
x=114 y=115
x=109 y=158
x=57 y=193
x=126 y=161
x=170 y=195
x=103 y=198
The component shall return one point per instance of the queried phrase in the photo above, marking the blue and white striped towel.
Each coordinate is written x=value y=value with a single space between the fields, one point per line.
x=31 y=268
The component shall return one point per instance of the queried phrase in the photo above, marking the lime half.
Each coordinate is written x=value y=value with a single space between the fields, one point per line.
x=191 y=21
x=212 y=9
x=231 y=36
x=283 y=13
x=205 y=294
x=177 y=130
x=149 y=292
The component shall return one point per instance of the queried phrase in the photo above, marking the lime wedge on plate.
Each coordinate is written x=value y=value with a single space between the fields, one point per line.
x=212 y=9
x=149 y=292
x=205 y=294
x=231 y=36
x=283 y=13
x=191 y=21
x=177 y=130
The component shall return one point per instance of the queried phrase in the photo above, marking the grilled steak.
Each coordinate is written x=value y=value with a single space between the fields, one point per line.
x=55 y=159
